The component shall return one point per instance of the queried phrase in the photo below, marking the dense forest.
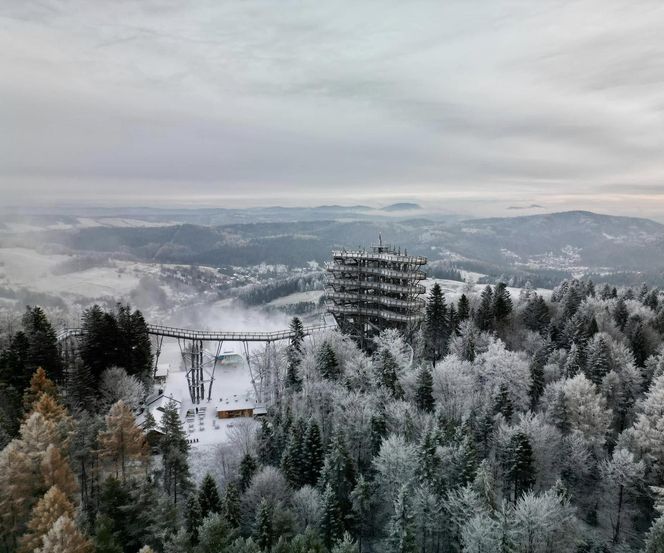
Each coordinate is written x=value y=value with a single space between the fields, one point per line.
x=505 y=424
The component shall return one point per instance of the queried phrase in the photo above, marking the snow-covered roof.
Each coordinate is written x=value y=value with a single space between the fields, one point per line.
x=162 y=370
x=235 y=404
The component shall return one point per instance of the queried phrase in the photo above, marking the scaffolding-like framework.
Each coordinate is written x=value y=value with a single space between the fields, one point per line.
x=369 y=291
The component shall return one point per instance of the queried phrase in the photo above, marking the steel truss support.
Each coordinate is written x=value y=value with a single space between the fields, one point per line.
x=159 y=340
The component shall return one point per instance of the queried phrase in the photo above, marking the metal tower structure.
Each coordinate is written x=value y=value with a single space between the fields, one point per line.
x=371 y=290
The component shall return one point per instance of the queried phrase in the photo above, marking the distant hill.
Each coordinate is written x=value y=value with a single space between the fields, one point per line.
x=573 y=242
x=402 y=206
x=572 y=238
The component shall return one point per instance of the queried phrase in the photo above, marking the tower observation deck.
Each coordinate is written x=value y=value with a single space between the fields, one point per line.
x=369 y=291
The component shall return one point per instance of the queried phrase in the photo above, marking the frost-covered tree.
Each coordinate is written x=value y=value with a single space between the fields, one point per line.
x=648 y=430
x=586 y=410
x=621 y=477
x=401 y=530
x=518 y=464
x=396 y=465
x=436 y=324
x=117 y=385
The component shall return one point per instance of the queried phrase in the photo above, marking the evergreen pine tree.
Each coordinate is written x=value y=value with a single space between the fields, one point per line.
x=230 y=505
x=574 y=362
x=208 y=496
x=339 y=473
x=378 y=426
x=313 y=454
x=519 y=464
x=424 y=390
x=174 y=449
x=502 y=303
x=292 y=460
x=598 y=363
x=605 y=294
x=503 y=404
x=42 y=344
x=401 y=538
x=559 y=415
x=537 y=381
x=263 y=527
x=104 y=537
x=193 y=517
x=620 y=314
x=436 y=324
x=294 y=355
x=331 y=523
x=388 y=373
x=463 y=308
x=248 y=467
x=361 y=501
x=639 y=344
x=327 y=362
x=484 y=315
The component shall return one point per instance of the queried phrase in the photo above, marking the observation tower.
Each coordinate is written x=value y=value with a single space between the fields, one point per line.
x=368 y=291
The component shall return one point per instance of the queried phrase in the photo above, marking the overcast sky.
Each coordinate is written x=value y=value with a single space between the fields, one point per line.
x=472 y=105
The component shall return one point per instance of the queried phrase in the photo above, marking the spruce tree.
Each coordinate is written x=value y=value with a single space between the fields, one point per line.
x=378 y=426
x=339 y=473
x=292 y=460
x=248 y=468
x=193 y=517
x=42 y=344
x=502 y=303
x=294 y=355
x=327 y=362
x=436 y=324
x=388 y=373
x=263 y=527
x=362 y=501
x=519 y=464
x=620 y=314
x=424 y=390
x=104 y=537
x=463 y=308
x=174 y=449
x=537 y=381
x=503 y=403
x=208 y=496
x=401 y=537
x=314 y=455
x=639 y=344
x=331 y=523
x=574 y=363
x=598 y=363
x=484 y=316
x=230 y=505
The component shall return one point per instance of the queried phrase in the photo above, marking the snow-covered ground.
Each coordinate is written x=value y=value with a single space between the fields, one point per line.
x=211 y=439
